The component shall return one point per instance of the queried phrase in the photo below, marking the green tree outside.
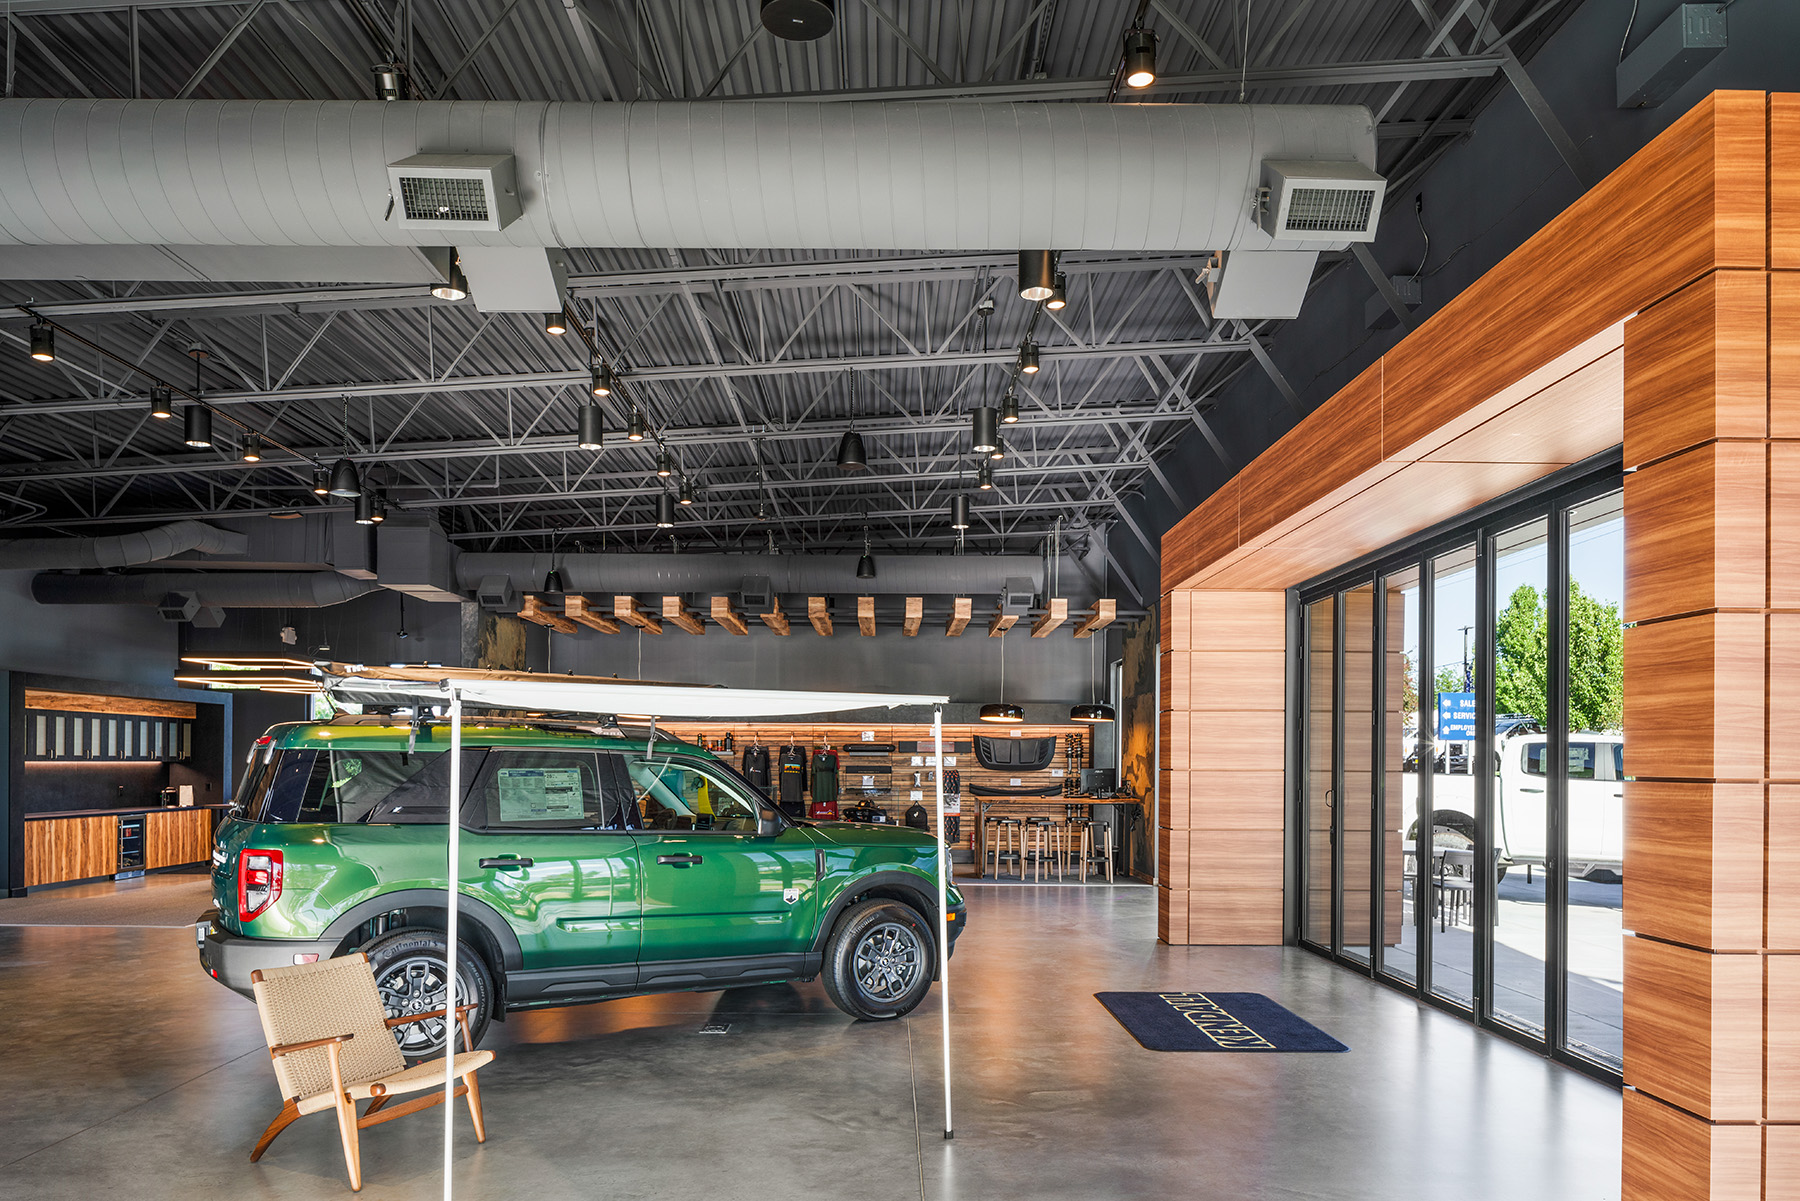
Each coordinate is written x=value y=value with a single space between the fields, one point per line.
x=1596 y=660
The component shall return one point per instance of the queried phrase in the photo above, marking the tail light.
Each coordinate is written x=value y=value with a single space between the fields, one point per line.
x=259 y=881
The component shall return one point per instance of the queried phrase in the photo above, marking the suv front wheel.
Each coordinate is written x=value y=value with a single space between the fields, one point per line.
x=879 y=962
x=410 y=974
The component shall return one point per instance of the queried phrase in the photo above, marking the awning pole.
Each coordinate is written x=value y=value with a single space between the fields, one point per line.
x=454 y=812
x=937 y=737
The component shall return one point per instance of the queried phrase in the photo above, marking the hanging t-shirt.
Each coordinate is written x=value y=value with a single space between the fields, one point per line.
x=756 y=766
x=791 y=783
x=824 y=786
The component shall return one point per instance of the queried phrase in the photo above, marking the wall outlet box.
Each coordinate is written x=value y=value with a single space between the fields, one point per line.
x=1671 y=54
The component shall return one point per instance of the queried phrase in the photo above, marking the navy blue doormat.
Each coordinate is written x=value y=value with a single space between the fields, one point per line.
x=1216 y=1021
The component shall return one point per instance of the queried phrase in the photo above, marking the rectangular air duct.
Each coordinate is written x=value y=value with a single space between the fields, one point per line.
x=1306 y=201
x=454 y=191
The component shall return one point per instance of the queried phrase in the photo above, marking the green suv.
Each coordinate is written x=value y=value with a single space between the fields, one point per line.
x=595 y=863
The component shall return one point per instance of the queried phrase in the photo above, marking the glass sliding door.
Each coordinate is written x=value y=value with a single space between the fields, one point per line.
x=1403 y=737
x=1318 y=770
x=1356 y=774
x=1446 y=835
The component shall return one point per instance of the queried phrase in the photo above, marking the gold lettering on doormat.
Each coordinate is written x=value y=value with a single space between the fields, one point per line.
x=1215 y=1021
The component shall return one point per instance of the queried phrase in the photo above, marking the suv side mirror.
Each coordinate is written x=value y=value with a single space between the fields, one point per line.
x=768 y=823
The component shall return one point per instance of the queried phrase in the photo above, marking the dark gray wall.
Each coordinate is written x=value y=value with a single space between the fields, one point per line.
x=130 y=644
x=1482 y=200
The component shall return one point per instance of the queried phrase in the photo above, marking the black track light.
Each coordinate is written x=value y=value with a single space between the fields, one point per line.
x=1037 y=274
x=1028 y=357
x=1091 y=713
x=986 y=430
x=1009 y=409
x=555 y=324
x=553 y=582
x=999 y=451
x=252 y=452
x=198 y=419
x=959 y=511
x=635 y=426
x=162 y=403
x=603 y=379
x=687 y=492
x=592 y=432
x=1140 y=58
x=455 y=286
x=1003 y=714
x=984 y=475
x=1059 y=294
x=43 y=342
x=365 y=509
x=378 y=507
x=321 y=484
x=665 y=463
x=665 y=511
x=850 y=452
x=345 y=482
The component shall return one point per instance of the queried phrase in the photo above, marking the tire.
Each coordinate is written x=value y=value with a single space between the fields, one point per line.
x=409 y=972
x=880 y=961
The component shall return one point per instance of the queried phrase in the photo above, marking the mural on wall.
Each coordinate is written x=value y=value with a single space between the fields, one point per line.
x=501 y=643
x=1137 y=709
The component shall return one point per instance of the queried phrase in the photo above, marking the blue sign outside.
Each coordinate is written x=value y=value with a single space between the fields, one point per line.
x=1456 y=717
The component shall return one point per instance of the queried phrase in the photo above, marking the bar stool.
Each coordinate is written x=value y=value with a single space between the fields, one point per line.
x=1005 y=840
x=1040 y=843
x=1080 y=836
x=1103 y=850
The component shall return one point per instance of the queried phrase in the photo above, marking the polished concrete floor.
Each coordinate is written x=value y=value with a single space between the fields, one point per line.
x=128 y=1073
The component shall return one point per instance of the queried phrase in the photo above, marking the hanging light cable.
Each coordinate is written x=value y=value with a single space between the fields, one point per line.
x=1093 y=711
x=1002 y=713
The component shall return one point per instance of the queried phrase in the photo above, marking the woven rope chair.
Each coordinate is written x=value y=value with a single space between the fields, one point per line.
x=332 y=1046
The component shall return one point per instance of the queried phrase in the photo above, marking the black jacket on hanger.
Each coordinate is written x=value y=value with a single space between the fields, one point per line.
x=756 y=766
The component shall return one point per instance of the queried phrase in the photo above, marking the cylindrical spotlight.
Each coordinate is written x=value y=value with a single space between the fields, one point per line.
x=850 y=452
x=43 y=342
x=252 y=452
x=199 y=427
x=635 y=426
x=1028 y=357
x=592 y=434
x=984 y=475
x=602 y=376
x=1059 y=294
x=380 y=506
x=665 y=463
x=665 y=511
x=321 y=484
x=687 y=492
x=455 y=287
x=556 y=324
x=1037 y=274
x=1140 y=58
x=387 y=81
x=999 y=451
x=162 y=403
x=986 y=430
x=365 y=509
x=959 y=511
x=344 y=480
x=1009 y=409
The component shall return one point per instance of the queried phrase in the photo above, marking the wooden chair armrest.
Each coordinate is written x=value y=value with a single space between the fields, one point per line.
x=403 y=1019
x=309 y=1044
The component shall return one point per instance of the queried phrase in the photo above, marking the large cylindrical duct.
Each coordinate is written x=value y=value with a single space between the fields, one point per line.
x=868 y=175
x=224 y=590
x=791 y=575
x=121 y=550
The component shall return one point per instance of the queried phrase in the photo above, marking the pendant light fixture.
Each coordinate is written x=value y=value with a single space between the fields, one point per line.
x=601 y=373
x=1009 y=408
x=553 y=581
x=687 y=492
x=556 y=324
x=198 y=422
x=798 y=20
x=321 y=484
x=665 y=511
x=1093 y=711
x=43 y=342
x=1028 y=357
x=1037 y=274
x=1140 y=58
x=986 y=430
x=252 y=452
x=389 y=84
x=1002 y=713
x=162 y=403
x=959 y=511
x=378 y=508
x=455 y=286
x=665 y=463
x=1059 y=294
x=365 y=508
x=865 y=566
x=850 y=452
x=345 y=482
x=984 y=475
x=999 y=451
x=592 y=432
x=635 y=425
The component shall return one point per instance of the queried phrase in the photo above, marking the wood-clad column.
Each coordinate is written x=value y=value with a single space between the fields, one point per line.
x=1223 y=737
x=1712 y=971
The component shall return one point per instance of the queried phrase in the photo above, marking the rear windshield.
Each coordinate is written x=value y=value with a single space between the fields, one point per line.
x=342 y=785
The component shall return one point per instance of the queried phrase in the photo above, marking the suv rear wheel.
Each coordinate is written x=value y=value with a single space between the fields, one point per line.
x=410 y=974
x=879 y=962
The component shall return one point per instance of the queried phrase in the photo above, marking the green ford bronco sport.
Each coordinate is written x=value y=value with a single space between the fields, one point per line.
x=594 y=864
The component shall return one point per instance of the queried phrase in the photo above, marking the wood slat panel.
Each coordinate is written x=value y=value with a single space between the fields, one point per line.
x=1238 y=800
x=1784 y=354
x=1237 y=621
x=1683 y=388
x=1781 y=1161
x=1172 y=811
x=1172 y=915
x=1784 y=696
x=1577 y=415
x=70 y=848
x=1236 y=859
x=1331 y=448
x=1233 y=917
x=1177 y=667
x=1782 y=1103
x=1674 y=1156
x=177 y=836
x=1203 y=536
x=1783 y=886
x=1237 y=680
x=87 y=702
x=1698 y=535
x=1693 y=877
x=1784 y=186
x=1172 y=850
x=1694 y=1028
x=1708 y=693
x=1223 y=740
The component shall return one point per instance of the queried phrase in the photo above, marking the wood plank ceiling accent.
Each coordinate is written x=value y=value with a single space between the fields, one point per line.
x=961 y=610
x=627 y=610
x=676 y=612
x=865 y=615
x=1105 y=612
x=915 y=616
x=775 y=619
x=89 y=702
x=577 y=609
x=730 y=618
x=1055 y=615
x=818 y=611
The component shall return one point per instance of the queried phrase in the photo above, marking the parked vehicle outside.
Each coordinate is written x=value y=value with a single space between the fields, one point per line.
x=594 y=864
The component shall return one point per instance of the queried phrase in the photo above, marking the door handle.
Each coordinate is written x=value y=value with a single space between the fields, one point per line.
x=507 y=864
x=678 y=860
x=1531 y=790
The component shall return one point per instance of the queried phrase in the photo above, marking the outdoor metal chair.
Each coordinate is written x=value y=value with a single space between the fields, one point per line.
x=332 y=1045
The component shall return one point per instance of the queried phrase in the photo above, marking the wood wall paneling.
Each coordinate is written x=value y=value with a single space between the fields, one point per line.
x=1176 y=669
x=87 y=702
x=1172 y=851
x=1229 y=740
x=1784 y=185
x=1331 y=448
x=1694 y=1028
x=1237 y=800
x=1674 y=1156
x=1696 y=367
x=1708 y=693
x=1693 y=877
x=1573 y=416
x=1784 y=354
x=177 y=836
x=1784 y=696
x=1782 y=1102
x=1249 y=859
x=1237 y=621
x=1173 y=812
x=1208 y=533
x=1783 y=897
x=70 y=848
x=1698 y=531
x=1781 y=1161
x=1172 y=915
x=1236 y=680
x=1234 y=917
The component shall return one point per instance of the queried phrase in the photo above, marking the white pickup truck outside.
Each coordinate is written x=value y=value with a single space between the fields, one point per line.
x=1596 y=820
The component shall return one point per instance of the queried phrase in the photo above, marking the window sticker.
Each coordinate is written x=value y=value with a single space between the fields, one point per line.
x=539 y=793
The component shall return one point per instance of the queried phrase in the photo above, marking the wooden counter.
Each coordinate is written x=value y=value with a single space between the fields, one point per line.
x=84 y=844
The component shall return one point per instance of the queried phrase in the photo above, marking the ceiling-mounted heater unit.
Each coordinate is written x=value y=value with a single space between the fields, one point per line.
x=455 y=191
x=1305 y=201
